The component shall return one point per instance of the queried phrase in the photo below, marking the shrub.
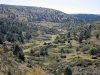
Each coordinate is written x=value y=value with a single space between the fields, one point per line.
x=86 y=48
x=83 y=62
x=68 y=71
x=95 y=50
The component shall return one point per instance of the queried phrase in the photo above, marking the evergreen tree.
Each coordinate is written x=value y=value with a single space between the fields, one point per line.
x=9 y=72
x=21 y=56
x=68 y=35
x=1 y=38
x=68 y=71
x=1 y=41
x=97 y=36
x=18 y=52
x=80 y=39
x=81 y=36
x=62 y=50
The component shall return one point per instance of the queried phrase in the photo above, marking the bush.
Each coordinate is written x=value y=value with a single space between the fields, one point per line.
x=68 y=71
x=18 y=52
x=86 y=48
x=83 y=63
x=9 y=72
x=68 y=51
x=95 y=51
x=10 y=54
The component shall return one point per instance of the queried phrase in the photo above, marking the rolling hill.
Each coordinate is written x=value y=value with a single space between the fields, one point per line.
x=88 y=17
x=33 y=14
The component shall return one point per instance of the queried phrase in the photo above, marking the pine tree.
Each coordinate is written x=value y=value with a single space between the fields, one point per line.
x=68 y=35
x=97 y=36
x=21 y=56
x=68 y=71
x=9 y=72
x=18 y=52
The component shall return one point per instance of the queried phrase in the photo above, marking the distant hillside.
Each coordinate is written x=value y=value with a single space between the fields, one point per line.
x=37 y=14
x=87 y=17
x=33 y=14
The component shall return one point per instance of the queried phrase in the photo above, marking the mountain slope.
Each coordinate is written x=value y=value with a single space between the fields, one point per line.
x=87 y=17
x=30 y=14
x=37 y=14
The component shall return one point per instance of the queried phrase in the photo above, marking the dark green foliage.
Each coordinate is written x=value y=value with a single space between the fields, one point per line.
x=28 y=36
x=80 y=38
x=44 y=51
x=86 y=48
x=68 y=35
x=9 y=72
x=45 y=43
x=10 y=37
x=63 y=55
x=95 y=51
x=1 y=40
x=68 y=41
x=50 y=30
x=97 y=36
x=18 y=52
x=55 y=72
x=62 y=50
x=77 y=49
x=61 y=41
x=5 y=48
x=68 y=71
x=21 y=38
x=70 y=45
x=85 y=33
x=83 y=63
x=31 y=51
x=21 y=56
x=11 y=30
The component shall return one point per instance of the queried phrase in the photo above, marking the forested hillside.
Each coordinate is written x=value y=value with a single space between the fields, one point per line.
x=88 y=17
x=33 y=14
x=20 y=22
